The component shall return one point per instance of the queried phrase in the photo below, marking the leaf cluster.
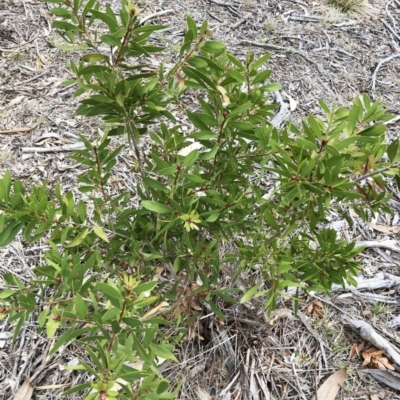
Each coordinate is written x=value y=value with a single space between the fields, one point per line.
x=235 y=181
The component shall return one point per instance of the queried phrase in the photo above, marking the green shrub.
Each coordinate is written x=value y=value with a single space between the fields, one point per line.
x=196 y=196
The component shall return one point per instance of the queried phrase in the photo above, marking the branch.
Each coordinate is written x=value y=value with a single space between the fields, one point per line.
x=376 y=172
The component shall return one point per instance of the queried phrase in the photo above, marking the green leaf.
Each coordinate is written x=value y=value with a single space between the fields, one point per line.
x=80 y=306
x=239 y=110
x=249 y=294
x=94 y=57
x=203 y=27
x=154 y=184
x=110 y=40
x=271 y=87
x=66 y=337
x=66 y=26
x=197 y=62
x=110 y=314
x=213 y=47
x=374 y=130
x=145 y=287
x=210 y=154
x=74 y=47
x=213 y=217
x=237 y=76
x=6 y=293
x=393 y=151
x=162 y=351
x=216 y=310
x=9 y=233
x=80 y=387
x=262 y=76
x=190 y=159
x=86 y=189
x=61 y=12
x=23 y=316
x=108 y=290
x=100 y=233
x=156 y=207
x=78 y=239
x=192 y=26
x=262 y=60
x=110 y=22
x=51 y=327
x=203 y=135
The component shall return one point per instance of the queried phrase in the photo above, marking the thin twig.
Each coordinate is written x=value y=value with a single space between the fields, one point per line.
x=376 y=172
x=156 y=14
x=11 y=49
x=32 y=79
x=18 y=130
x=385 y=60
x=56 y=149
x=389 y=28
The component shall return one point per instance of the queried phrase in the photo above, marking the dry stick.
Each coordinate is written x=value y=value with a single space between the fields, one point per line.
x=392 y=31
x=32 y=79
x=231 y=7
x=300 y=389
x=280 y=48
x=215 y=17
x=385 y=60
x=18 y=130
x=156 y=14
x=237 y=24
x=56 y=149
x=313 y=18
x=313 y=333
x=11 y=49
x=376 y=172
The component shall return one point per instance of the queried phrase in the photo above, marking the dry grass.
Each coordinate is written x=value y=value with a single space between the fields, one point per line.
x=347 y=5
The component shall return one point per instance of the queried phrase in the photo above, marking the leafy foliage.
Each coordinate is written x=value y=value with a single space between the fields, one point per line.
x=99 y=285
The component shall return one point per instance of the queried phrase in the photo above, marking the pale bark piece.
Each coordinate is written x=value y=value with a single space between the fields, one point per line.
x=367 y=332
x=383 y=244
x=201 y=393
x=389 y=378
x=330 y=388
x=384 y=228
x=25 y=391
x=54 y=149
x=394 y=322
x=381 y=280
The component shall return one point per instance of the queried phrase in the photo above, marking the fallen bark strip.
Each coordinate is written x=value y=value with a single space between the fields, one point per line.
x=390 y=378
x=18 y=130
x=394 y=322
x=283 y=113
x=55 y=149
x=367 y=332
x=384 y=244
x=381 y=280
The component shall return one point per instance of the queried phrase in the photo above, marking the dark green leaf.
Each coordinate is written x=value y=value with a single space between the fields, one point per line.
x=156 y=207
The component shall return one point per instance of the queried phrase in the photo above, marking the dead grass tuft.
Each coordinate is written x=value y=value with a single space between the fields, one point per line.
x=347 y=5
